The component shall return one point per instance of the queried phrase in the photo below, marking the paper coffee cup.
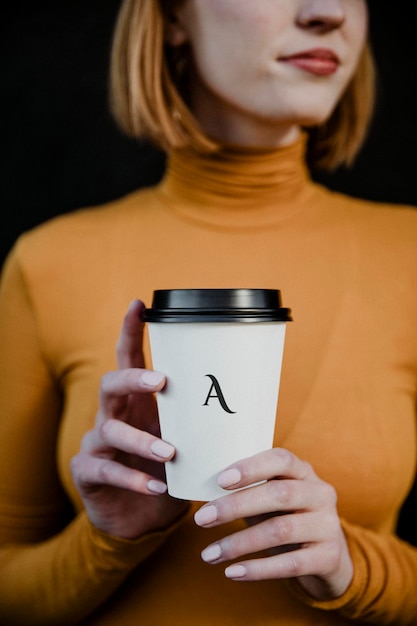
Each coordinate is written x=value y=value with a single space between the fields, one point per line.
x=221 y=350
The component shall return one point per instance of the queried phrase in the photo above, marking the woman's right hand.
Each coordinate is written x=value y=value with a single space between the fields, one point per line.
x=119 y=470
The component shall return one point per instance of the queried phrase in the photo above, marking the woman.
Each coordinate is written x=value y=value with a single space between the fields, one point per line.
x=240 y=95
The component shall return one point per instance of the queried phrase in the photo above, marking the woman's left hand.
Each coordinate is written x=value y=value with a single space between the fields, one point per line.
x=292 y=516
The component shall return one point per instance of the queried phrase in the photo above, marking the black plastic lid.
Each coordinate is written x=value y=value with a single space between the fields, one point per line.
x=217 y=305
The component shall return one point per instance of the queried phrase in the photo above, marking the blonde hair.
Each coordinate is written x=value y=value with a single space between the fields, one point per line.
x=148 y=92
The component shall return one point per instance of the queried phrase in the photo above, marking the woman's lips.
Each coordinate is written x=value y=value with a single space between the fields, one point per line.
x=319 y=61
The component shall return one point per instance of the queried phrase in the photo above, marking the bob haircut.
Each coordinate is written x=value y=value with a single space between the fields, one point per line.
x=148 y=92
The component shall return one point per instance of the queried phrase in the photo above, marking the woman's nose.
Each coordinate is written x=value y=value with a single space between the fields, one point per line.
x=321 y=15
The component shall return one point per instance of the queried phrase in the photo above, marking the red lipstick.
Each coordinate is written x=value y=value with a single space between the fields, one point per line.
x=319 y=61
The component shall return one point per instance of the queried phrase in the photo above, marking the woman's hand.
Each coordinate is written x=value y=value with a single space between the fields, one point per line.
x=119 y=469
x=292 y=516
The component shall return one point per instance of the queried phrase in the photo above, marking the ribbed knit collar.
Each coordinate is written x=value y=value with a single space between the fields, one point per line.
x=240 y=187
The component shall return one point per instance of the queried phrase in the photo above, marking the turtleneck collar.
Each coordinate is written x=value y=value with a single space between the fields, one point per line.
x=257 y=186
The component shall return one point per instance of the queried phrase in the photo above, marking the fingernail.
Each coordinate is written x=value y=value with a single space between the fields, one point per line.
x=162 y=448
x=229 y=477
x=212 y=553
x=206 y=515
x=235 y=571
x=156 y=486
x=132 y=305
x=151 y=378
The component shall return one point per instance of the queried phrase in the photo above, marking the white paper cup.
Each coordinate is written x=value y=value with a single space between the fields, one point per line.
x=221 y=350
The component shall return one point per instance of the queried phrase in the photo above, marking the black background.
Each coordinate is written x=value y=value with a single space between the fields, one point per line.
x=61 y=149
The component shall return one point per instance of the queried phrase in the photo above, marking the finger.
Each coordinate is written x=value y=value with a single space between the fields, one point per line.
x=121 y=383
x=279 y=533
x=90 y=472
x=293 y=564
x=114 y=434
x=116 y=387
x=274 y=463
x=275 y=496
x=129 y=345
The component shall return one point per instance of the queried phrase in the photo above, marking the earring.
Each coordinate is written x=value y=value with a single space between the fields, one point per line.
x=176 y=116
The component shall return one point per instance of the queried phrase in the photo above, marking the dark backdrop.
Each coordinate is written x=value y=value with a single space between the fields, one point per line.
x=61 y=150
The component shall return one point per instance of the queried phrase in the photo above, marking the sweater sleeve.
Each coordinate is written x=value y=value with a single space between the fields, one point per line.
x=45 y=562
x=63 y=579
x=383 y=589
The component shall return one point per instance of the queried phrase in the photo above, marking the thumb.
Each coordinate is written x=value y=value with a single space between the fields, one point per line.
x=129 y=344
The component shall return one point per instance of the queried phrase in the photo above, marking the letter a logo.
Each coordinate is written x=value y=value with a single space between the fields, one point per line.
x=218 y=394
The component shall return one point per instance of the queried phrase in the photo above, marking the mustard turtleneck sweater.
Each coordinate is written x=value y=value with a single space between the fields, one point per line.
x=246 y=218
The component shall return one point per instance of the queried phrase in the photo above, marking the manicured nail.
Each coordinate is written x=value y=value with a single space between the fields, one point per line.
x=235 y=571
x=133 y=304
x=151 y=379
x=156 y=486
x=206 y=515
x=212 y=553
x=229 y=477
x=162 y=449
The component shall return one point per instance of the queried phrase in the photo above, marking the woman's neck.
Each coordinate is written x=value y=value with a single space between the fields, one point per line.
x=232 y=126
